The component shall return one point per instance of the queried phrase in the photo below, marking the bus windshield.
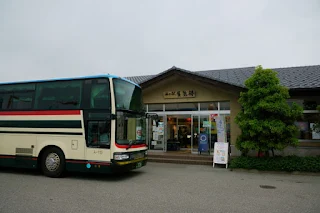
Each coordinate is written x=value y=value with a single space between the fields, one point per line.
x=131 y=122
x=131 y=128
x=128 y=96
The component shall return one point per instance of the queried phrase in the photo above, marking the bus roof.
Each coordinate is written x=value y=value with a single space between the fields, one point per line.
x=65 y=79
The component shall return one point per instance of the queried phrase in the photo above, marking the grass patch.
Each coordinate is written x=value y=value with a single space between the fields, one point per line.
x=278 y=163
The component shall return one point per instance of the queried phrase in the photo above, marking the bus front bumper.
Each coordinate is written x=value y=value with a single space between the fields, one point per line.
x=122 y=166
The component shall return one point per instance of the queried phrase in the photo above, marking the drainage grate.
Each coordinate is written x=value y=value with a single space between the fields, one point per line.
x=267 y=187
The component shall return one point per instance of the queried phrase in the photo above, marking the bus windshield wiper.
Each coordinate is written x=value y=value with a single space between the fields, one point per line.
x=130 y=111
x=131 y=142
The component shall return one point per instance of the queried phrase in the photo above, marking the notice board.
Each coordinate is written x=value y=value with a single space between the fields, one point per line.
x=221 y=153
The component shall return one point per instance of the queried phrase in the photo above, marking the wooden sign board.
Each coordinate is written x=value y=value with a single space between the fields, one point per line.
x=179 y=94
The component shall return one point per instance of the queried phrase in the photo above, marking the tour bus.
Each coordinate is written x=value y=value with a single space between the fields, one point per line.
x=89 y=124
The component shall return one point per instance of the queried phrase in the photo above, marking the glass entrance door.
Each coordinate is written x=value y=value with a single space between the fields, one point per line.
x=179 y=133
x=195 y=134
x=156 y=134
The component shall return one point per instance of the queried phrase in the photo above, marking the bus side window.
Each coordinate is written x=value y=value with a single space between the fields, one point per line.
x=17 y=96
x=21 y=100
x=3 y=101
x=100 y=96
x=59 y=95
x=99 y=133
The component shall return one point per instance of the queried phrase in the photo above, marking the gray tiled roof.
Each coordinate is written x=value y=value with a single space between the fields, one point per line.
x=291 y=77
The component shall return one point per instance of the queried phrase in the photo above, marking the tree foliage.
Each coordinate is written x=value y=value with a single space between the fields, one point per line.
x=266 y=119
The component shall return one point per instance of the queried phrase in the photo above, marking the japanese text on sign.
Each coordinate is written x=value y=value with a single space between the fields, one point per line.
x=180 y=94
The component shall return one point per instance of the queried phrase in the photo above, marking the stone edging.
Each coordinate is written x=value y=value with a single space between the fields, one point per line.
x=275 y=172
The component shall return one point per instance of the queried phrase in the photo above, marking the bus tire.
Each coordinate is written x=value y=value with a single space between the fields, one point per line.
x=53 y=162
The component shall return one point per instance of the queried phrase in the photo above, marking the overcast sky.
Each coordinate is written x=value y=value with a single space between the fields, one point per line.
x=52 y=39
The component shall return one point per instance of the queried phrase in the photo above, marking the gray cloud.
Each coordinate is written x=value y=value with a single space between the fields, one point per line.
x=49 y=39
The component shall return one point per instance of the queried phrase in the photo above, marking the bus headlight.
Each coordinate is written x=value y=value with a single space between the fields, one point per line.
x=120 y=156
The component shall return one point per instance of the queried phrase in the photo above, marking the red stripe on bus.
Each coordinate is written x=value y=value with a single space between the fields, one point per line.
x=15 y=156
x=85 y=162
x=133 y=146
x=42 y=112
x=7 y=156
x=99 y=163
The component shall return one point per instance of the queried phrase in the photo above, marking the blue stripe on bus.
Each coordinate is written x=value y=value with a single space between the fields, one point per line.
x=66 y=79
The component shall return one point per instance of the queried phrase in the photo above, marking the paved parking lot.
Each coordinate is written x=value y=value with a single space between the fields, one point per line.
x=159 y=188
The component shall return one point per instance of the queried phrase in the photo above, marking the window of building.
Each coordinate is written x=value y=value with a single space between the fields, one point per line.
x=305 y=127
x=307 y=103
x=181 y=107
x=305 y=123
x=171 y=107
x=59 y=95
x=209 y=106
x=225 y=105
x=155 y=107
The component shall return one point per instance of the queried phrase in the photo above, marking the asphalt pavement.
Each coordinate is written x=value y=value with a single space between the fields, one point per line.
x=159 y=188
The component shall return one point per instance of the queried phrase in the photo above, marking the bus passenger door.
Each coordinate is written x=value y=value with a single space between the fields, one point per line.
x=98 y=140
x=97 y=119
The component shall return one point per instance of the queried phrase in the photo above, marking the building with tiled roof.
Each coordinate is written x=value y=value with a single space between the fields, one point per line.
x=291 y=77
x=186 y=100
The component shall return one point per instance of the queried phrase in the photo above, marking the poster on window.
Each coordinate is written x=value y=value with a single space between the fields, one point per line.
x=138 y=133
x=221 y=153
x=315 y=135
x=160 y=128
x=155 y=136
x=206 y=124
x=203 y=143
x=213 y=116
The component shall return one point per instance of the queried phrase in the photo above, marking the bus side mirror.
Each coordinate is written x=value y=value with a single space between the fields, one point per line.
x=153 y=116
x=113 y=117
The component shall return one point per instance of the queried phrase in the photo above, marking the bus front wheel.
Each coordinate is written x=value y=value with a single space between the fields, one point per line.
x=53 y=162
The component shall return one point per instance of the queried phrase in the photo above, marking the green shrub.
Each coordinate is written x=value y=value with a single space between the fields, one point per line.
x=287 y=163
x=266 y=121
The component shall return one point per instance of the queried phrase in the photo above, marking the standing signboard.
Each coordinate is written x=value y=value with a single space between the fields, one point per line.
x=221 y=147
x=221 y=153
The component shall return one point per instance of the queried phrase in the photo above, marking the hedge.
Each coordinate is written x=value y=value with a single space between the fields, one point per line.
x=278 y=163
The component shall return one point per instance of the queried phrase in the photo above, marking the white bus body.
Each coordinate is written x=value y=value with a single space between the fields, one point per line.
x=90 y=124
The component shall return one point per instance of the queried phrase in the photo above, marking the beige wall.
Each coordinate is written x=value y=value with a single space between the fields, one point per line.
x=204 y=92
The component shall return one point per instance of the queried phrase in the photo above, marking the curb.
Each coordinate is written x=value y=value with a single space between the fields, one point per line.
x=275 y=172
